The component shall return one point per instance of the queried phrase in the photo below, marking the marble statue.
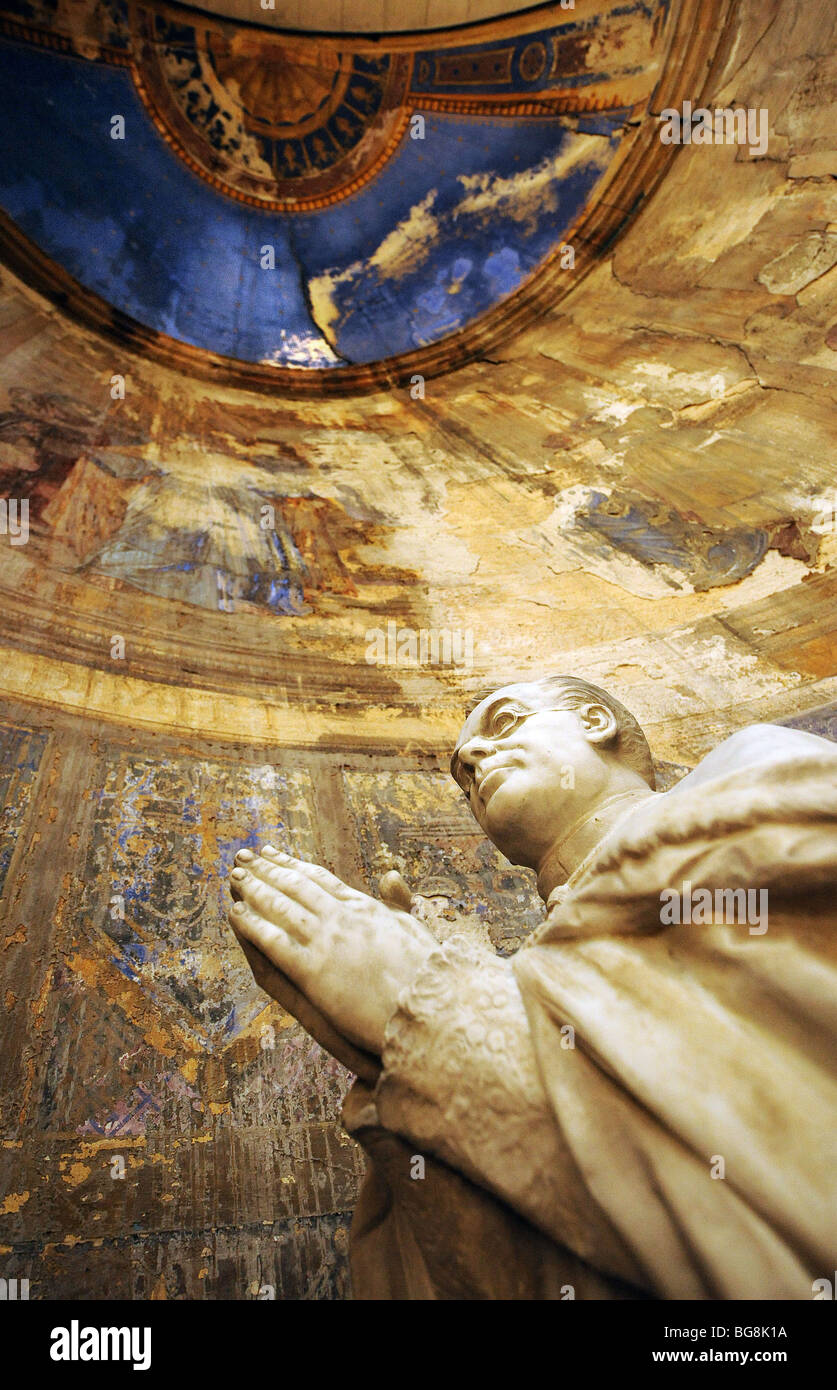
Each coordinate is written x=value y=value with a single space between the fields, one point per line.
x=641 y=1102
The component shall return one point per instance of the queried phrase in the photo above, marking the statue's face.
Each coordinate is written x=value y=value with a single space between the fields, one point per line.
x=528 y=770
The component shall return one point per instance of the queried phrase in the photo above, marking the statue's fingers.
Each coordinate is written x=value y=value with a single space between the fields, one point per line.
x=288 y=884
x=274 y=942
x=395 y=891
x=272 y=903
x=306 y=875
x=313 y=873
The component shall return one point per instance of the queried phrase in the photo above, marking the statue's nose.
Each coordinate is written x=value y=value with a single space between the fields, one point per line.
x=471 y=752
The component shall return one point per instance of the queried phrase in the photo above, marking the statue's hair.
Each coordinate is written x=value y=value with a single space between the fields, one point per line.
x=571 y=692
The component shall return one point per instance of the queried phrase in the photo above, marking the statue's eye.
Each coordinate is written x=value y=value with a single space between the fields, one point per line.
x=504 y=721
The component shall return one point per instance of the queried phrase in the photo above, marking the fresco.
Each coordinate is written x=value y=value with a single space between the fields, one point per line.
x=288 y=203
x=221 y=533
x=578 y=54
x=176 y=1133
x=205 y=545
x=164 y=840
x=272 y=121
x=21 y=751
x=681 y=550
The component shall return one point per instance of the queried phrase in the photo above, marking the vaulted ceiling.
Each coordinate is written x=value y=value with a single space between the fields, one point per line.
x=332 y=213
x=212 y=621
x=638 y=486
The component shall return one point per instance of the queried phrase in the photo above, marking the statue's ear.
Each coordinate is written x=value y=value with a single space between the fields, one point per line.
x=599 y=723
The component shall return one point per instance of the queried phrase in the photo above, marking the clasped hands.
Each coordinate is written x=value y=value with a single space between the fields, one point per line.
x=346 y=954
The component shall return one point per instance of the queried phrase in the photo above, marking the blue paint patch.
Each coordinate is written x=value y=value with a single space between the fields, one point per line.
x=131 y=222
x=655 y=535
x=489 y=233
x=822 y=721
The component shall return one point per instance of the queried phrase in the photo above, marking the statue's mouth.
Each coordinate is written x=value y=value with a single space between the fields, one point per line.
x=489 y=782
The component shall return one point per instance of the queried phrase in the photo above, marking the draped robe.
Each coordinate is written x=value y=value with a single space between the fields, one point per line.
x=627 y=1109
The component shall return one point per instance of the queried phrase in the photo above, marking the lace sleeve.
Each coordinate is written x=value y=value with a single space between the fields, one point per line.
x=461 y=1080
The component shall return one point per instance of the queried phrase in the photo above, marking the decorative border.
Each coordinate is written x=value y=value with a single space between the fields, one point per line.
x=571 y=103
x=20 y=32
x=302 y=204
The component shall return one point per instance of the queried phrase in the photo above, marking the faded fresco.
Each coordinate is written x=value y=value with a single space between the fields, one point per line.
x=157 y=1070
x=271 y=198
x=636 y=486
